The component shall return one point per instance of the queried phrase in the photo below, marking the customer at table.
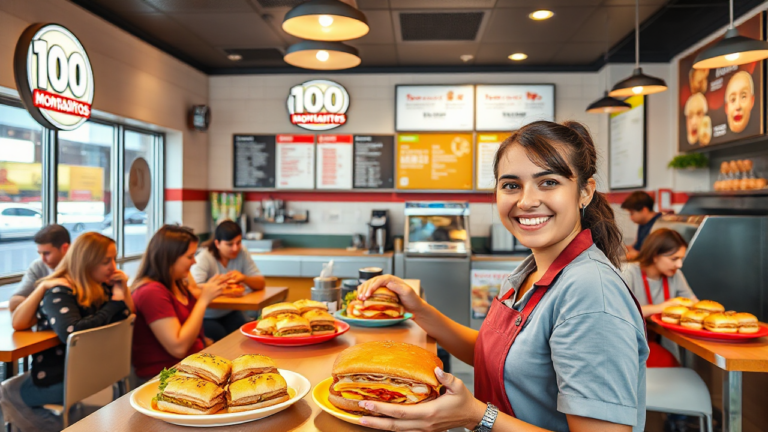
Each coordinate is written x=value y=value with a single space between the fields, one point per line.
x=52 y=244
x=90 y=292
x=226 y=255
x=640 y=207
x=563 y=346
x=169 y=305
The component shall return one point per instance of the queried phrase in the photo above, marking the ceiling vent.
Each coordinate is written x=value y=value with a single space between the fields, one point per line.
x=268 y=4
x=443 y=26
x=256 y=54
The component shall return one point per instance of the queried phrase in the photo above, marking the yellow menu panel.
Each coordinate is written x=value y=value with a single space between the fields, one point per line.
x=434 y=161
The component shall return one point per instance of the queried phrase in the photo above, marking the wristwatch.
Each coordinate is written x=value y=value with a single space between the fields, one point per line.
x=486 y=424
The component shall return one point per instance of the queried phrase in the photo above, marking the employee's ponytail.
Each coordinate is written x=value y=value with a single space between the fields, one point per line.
x=563 y=149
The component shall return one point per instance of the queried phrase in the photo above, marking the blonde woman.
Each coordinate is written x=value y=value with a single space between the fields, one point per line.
x=89 y=292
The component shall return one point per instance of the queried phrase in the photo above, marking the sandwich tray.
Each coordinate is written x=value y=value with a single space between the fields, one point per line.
x=141 y=401
x=371 y=322
x=706 y=334
x=247 y=330
x=320 y=396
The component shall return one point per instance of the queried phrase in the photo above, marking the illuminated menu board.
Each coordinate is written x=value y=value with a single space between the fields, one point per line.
x=295 y=162
x=434 y=161
x=374 y=162
x=512 y=106
x=254 y=160
x=487 y=145
x=434 y=108
x=334 y=162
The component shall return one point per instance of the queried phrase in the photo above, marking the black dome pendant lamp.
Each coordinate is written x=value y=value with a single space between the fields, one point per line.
x=607 y=104
x=733 y=50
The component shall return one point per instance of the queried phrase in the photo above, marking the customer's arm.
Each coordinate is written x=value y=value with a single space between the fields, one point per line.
x=25 y=315
x=61 y=307
x=249 y=274
x=26 y=287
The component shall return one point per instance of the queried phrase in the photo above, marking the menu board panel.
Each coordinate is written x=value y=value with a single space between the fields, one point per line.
x=254 y=161
x=295 y=162
x=512 y=106
x=434 y=161
x=722 y=105
x=487 y=145
x=429 y=108
x=374 y=162
x=626 y=146
x=334 y=162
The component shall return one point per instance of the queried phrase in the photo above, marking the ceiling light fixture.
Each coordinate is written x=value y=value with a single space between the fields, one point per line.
x=639 y=83
x=733 y=50
x=235 y=57
x=325 y=20
x=518 y=56
x=541 y=15
x=322 y=55
x=607 y=104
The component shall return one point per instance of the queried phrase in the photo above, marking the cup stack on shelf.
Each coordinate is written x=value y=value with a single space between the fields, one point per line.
x=738 y=175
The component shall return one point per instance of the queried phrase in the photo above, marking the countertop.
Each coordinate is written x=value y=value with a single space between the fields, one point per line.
x=484 y=257
x=295 y=251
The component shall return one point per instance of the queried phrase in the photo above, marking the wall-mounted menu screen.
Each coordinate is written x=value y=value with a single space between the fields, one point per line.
x=334 y=162
x=510 y=107
x=254 y=161
x=295 y=162
x=428 y=108
x=374 y=162
x=434 y=161
x=487 y=145
x=626 y=146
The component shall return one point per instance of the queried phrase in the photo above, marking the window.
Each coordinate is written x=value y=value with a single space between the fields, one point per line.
x=21 y=179
x=136 y=227
x=84 y=201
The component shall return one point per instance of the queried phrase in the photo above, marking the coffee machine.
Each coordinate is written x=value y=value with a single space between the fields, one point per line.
x=378 y=231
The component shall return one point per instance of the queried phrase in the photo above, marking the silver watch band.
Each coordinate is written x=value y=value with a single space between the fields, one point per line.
x=489 y=418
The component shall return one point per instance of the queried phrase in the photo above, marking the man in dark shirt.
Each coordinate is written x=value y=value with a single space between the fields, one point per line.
x=640 y=207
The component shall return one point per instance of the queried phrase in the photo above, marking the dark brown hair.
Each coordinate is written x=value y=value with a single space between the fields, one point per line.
x=567 y=149
x=662 y=241
x=168 y=244
x=225 y=231
x=637 y=201
x=53 y=234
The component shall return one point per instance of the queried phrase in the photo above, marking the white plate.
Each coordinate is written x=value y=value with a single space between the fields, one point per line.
x=141 y=401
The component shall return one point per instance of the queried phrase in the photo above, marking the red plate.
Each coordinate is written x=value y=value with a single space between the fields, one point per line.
x=706 y=334
x=247 y=330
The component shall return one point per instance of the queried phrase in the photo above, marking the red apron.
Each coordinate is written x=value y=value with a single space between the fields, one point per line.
x=503 y=324
x=658 y=357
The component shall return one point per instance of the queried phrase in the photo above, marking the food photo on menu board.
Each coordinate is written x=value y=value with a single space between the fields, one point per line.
x=512 y=106
x=434 y=161
x=722 y=105
x=430 y=108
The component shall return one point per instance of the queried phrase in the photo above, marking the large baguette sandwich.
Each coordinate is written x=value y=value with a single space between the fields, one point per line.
x=383 y=304
x=206 y=366
x=258 y=391
x=187 y=395
x=383 y=371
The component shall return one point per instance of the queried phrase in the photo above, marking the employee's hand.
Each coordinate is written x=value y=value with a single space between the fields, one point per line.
x=234 y=276
x=669 y=303
x=632 y=253
x=212 y=289
x=456 y=408
x=408 y=297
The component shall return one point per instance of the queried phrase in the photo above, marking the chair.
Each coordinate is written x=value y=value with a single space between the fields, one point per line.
x=96 y=359
x=678 y=391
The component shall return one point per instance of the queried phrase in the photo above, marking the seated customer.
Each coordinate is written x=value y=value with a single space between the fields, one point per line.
x=90 y=292
x=225 y=255
x=169 y=305
x=52 y=244
x=640 y=207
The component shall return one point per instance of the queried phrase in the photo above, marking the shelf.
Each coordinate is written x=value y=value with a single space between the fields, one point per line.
x=286 y=222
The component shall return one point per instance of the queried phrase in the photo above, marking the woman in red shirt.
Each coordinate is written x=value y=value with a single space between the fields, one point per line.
x=169 y=305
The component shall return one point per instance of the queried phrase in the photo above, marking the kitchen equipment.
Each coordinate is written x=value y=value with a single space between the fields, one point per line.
x=369 y=273
x=398 y=244
x=264 y=245
x=502 y=241
x=378 y=231
x=328 y=291
x=357 y=241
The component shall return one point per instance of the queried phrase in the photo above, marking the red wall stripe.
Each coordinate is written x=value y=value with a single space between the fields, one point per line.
x=186 y=195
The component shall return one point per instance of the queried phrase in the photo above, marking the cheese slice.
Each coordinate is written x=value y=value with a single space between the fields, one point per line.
x=359 y=388
x=386 y=312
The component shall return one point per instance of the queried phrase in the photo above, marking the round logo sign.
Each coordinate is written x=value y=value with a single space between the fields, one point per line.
x=318 y=105
x=140 y=183
x=54 y=76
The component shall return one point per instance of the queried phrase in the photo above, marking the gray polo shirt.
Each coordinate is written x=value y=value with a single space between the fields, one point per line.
x=208 y=266
x=36 y=271
x=678 y=286
x=582 y=350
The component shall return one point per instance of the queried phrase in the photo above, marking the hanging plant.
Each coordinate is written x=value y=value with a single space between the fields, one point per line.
x=689 y=161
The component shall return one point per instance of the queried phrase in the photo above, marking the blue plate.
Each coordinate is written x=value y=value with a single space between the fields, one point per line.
x=371 y=322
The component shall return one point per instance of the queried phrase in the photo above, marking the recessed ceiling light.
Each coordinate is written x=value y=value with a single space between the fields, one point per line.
x=466 y=57
x=518 y=56
x=235 y=57
x=541 y=15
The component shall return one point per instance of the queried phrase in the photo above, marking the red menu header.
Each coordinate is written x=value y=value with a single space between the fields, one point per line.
x=295 y=139
x=334 y=139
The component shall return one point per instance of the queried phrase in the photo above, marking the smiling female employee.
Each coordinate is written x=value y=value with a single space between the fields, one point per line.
x=563 y=347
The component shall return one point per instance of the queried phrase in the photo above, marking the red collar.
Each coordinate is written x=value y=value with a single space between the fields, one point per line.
x=579 y=244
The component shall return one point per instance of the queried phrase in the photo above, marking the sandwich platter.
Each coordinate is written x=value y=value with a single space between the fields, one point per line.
x=371 y=322
x=247 y=330
x=320 y=396
x=706 y=334
x=141 y=401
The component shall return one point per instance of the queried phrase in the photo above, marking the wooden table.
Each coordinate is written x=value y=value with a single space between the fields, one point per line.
x=19 y=344
x=733 y=357
x=254 y=300
x=314 y=362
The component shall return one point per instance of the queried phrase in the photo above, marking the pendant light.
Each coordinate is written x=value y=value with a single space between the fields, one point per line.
x=733 y=50
x=607 y=104
x=325 y=20
x=322 y=55
x=639 y=83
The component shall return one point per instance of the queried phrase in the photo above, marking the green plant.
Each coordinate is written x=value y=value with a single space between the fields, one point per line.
x=691 y=160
